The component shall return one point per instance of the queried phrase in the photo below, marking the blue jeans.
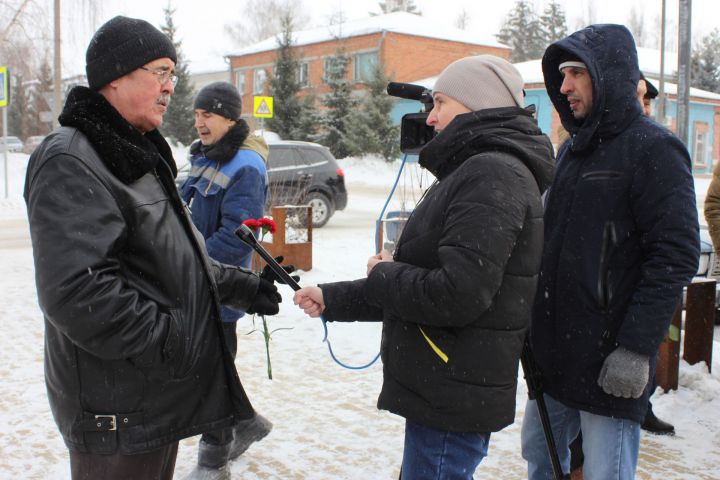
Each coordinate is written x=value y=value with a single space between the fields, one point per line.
x=432 y=454
x=610 y=445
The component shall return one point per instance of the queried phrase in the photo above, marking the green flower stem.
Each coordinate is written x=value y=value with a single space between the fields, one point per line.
x=266 y=334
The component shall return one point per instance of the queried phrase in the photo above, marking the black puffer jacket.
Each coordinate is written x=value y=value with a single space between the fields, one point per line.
x=456 y=301
x=130 y=299
x=621 y=230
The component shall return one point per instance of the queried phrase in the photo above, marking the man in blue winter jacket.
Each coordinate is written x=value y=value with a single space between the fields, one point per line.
x=227 y=185
x=621 y=242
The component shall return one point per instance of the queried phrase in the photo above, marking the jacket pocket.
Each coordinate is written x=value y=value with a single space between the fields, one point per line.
x=609 y=240
x=602 y=175
x=179 y=346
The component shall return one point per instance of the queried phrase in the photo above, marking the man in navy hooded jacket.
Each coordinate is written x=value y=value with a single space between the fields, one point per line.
x=621 y=242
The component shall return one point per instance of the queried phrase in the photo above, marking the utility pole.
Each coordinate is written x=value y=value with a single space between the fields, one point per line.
x=683 y=88
x=660 y=116
x=57 y=66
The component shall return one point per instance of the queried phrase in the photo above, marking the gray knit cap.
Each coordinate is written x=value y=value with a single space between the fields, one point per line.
x=480 y=82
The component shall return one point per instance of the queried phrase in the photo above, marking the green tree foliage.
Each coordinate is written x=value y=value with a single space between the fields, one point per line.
x=372 y=129
x=288 y=118
x=335 y=120
x=705 y=63
x=178 y=121
x=522 y=32
x=18 y=108
x=553 y=23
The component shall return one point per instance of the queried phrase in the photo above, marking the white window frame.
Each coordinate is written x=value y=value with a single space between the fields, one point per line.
x=240 y=81
x=359 y=68
x=700 y=145
x=259 y=79
x=302 y=75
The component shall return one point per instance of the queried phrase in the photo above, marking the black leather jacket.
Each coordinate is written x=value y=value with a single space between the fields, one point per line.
x=131 y=301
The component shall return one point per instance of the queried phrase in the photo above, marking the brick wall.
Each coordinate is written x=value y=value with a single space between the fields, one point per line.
x=407 y=58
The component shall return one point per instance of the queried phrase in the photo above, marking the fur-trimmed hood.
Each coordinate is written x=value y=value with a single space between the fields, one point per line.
x=224 y=149
x=125 y=151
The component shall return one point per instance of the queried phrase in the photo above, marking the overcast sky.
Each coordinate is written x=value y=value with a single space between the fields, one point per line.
x=200 y=24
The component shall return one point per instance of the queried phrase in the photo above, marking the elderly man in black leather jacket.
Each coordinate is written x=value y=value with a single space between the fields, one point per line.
x=134 y=354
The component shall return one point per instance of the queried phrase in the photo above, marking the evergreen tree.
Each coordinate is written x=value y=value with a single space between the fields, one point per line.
x=553 y=23
x=523 y=33
x=338 y=105
x=18 y=108
x=284 y=86
x=310 y=118
x=178 y=122
x=372 y=129
x=705 y=63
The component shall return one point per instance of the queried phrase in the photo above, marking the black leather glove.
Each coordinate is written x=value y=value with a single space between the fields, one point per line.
x=266 y=299
x=270 y=275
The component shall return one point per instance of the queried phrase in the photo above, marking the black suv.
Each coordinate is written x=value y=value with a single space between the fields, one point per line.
x=301 y=173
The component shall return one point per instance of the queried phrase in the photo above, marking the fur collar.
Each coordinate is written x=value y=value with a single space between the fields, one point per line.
x=225 y=148
x=125 y=151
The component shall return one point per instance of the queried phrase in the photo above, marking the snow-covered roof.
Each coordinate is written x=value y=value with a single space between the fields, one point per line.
x=398 y=22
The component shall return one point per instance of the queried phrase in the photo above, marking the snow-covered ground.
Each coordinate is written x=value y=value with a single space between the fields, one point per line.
x=326 y=425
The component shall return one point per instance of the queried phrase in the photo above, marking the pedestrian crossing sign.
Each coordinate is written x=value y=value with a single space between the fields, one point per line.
x=263 y=107
x=3 y=87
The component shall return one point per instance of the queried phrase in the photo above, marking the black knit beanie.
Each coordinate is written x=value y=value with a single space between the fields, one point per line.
x=221 y=98
x=122 y=45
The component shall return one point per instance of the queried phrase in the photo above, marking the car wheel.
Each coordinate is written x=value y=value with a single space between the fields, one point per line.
x=322 y=208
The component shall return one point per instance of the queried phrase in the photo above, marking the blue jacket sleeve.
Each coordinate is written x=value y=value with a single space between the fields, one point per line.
x=244 y=198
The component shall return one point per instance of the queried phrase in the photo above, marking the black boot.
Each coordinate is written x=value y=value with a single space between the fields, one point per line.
x=654 y=425
x=246 y=432
x=212 y=462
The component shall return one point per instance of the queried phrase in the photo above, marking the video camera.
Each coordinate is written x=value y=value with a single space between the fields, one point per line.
x=414 y=132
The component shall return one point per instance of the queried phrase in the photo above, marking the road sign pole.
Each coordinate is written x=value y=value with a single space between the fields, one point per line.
x=4 y=97
x=5 y=168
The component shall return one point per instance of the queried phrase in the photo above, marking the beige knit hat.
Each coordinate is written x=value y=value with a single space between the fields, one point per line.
x=480 y=82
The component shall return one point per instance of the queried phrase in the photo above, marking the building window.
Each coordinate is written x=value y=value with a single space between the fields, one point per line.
x=364 y=67
x=327 y=66
x=240 y=81
x=259 y=81
x=334 y=63
x=303 y=74
x=700 y=145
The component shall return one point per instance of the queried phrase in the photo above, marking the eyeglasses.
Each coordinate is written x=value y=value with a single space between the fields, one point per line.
x=163 y=75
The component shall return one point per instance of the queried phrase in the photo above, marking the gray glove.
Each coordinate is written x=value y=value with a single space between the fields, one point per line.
x=624 y=373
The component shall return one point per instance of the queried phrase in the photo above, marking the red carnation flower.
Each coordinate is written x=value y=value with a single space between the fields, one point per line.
x=267 y=224
x=252 y=224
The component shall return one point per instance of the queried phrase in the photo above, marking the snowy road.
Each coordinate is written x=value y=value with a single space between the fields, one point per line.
x=326 y=423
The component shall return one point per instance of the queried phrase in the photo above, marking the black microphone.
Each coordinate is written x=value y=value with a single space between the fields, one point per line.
x=408 y=90
x=246 y=235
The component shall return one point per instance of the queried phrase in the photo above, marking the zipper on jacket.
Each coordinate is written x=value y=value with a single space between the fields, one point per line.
x=603 y=288
x=601 y=175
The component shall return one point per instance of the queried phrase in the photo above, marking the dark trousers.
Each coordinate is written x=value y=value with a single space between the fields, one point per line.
x=224 y=435
x=154 y=465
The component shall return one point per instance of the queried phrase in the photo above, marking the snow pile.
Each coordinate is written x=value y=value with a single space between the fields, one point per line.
x=326 y=425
